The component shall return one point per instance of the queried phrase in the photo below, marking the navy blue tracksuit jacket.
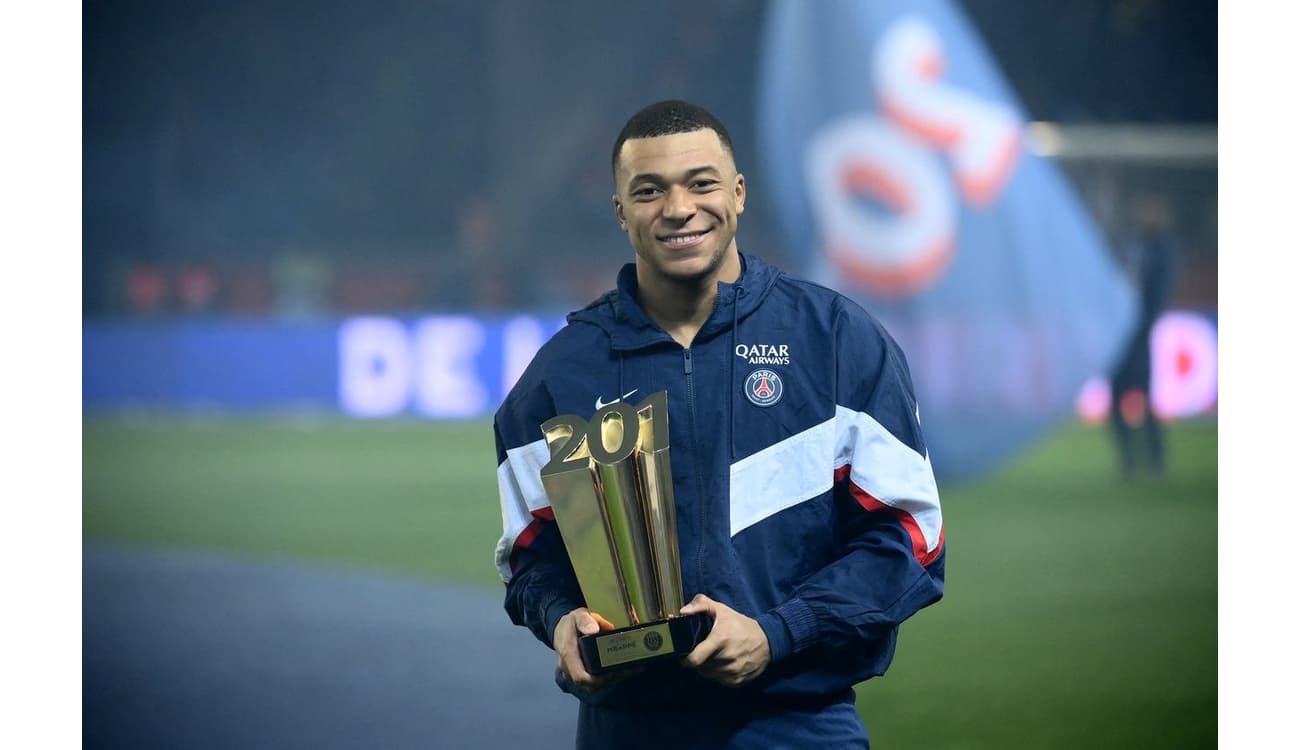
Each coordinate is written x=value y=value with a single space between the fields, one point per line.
x=805 y=499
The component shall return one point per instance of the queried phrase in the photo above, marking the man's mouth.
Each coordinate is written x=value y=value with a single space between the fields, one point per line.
x=685 y=239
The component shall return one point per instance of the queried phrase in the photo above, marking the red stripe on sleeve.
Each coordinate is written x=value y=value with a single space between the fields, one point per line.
x=530 y=532
x=905 y=519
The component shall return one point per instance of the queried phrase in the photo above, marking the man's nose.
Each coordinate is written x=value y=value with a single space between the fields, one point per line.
x=678 y=205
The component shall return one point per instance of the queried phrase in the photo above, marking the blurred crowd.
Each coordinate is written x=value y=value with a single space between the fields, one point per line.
x=475 y=273
x=425 y=155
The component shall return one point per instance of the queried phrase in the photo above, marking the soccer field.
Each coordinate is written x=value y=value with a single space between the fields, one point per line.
x=1081 y=611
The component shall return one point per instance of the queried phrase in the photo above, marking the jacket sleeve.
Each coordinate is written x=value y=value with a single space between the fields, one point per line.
x=541 y=586
x=840 y=625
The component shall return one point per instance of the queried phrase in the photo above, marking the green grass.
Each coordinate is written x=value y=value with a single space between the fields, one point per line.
x=407 y=496
x=1080 y=613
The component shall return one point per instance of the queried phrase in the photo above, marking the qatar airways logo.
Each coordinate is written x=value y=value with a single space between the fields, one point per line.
x=764 y=354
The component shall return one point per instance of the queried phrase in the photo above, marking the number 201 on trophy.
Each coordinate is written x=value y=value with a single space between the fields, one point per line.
x=611 y=435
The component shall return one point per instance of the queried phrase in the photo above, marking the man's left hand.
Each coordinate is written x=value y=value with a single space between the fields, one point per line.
x=736 y=650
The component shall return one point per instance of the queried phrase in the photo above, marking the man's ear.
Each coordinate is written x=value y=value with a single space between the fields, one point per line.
x=618 y=213
x=740 y=193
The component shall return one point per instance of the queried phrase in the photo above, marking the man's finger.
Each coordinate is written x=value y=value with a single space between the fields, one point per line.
x=572 y=665
x=701 y=603
x=587 y=625
x=704 y=651
x=566 y=645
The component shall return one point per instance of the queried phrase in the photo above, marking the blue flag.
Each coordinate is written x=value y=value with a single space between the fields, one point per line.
x=895 y=154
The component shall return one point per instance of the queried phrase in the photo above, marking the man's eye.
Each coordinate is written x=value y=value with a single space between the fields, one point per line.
x=705 y=183
x=645 y=191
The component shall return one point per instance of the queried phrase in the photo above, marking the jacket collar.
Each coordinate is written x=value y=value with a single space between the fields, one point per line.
x=629 y=327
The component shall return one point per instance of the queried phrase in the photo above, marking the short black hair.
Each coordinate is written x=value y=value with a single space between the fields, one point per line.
x=669 y=117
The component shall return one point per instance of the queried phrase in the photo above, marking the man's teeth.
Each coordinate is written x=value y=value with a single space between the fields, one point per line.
x=684 y=239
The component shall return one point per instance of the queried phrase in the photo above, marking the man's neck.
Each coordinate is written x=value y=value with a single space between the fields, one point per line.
x=682 y=307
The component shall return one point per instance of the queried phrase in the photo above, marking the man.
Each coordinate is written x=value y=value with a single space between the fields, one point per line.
x=808 y=519
x=1151 y=262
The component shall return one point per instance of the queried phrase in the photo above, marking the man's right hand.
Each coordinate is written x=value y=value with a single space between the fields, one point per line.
x=581 y=621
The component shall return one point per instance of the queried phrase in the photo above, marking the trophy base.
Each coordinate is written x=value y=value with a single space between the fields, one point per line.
x=647 y=642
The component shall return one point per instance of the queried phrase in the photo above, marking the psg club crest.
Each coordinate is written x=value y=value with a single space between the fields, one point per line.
x=764 y=387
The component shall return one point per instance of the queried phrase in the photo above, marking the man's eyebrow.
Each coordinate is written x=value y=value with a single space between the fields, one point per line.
x=658 y=179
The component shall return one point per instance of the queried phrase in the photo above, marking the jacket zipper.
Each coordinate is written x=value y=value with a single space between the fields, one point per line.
x=699 y=484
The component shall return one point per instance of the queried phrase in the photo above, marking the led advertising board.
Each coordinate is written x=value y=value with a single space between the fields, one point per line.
x=449 y=366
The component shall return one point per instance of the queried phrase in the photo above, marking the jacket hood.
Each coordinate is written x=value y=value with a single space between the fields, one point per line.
x=621 y=316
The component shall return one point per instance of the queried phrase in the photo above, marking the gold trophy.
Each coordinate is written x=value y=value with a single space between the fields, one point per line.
x=610 y=483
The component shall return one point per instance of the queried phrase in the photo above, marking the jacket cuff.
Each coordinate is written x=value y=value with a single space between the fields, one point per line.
x=778 y=635
x=802 y=623
x=555 y=609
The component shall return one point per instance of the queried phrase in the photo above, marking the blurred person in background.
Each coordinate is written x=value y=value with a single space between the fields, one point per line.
x=147 y=288
x=477 y=274
x=301 y=282
x=197 y=287
x=1150 y=261
x=807 y=512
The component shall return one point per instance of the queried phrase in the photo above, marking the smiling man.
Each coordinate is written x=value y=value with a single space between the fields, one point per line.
x=679 y=198
x=808 y=519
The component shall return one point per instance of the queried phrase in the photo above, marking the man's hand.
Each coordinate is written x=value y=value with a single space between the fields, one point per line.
x=582 y=621
x=736 y=650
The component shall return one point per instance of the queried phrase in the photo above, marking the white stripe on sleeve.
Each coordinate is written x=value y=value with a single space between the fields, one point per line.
x=782 y=475
x=519 y=483
x=803 y=466
x=889 y=470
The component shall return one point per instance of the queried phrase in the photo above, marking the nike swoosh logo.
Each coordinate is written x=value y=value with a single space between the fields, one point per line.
x=602 y=404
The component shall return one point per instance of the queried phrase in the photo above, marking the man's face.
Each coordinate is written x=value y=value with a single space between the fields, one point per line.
x=678 y=198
